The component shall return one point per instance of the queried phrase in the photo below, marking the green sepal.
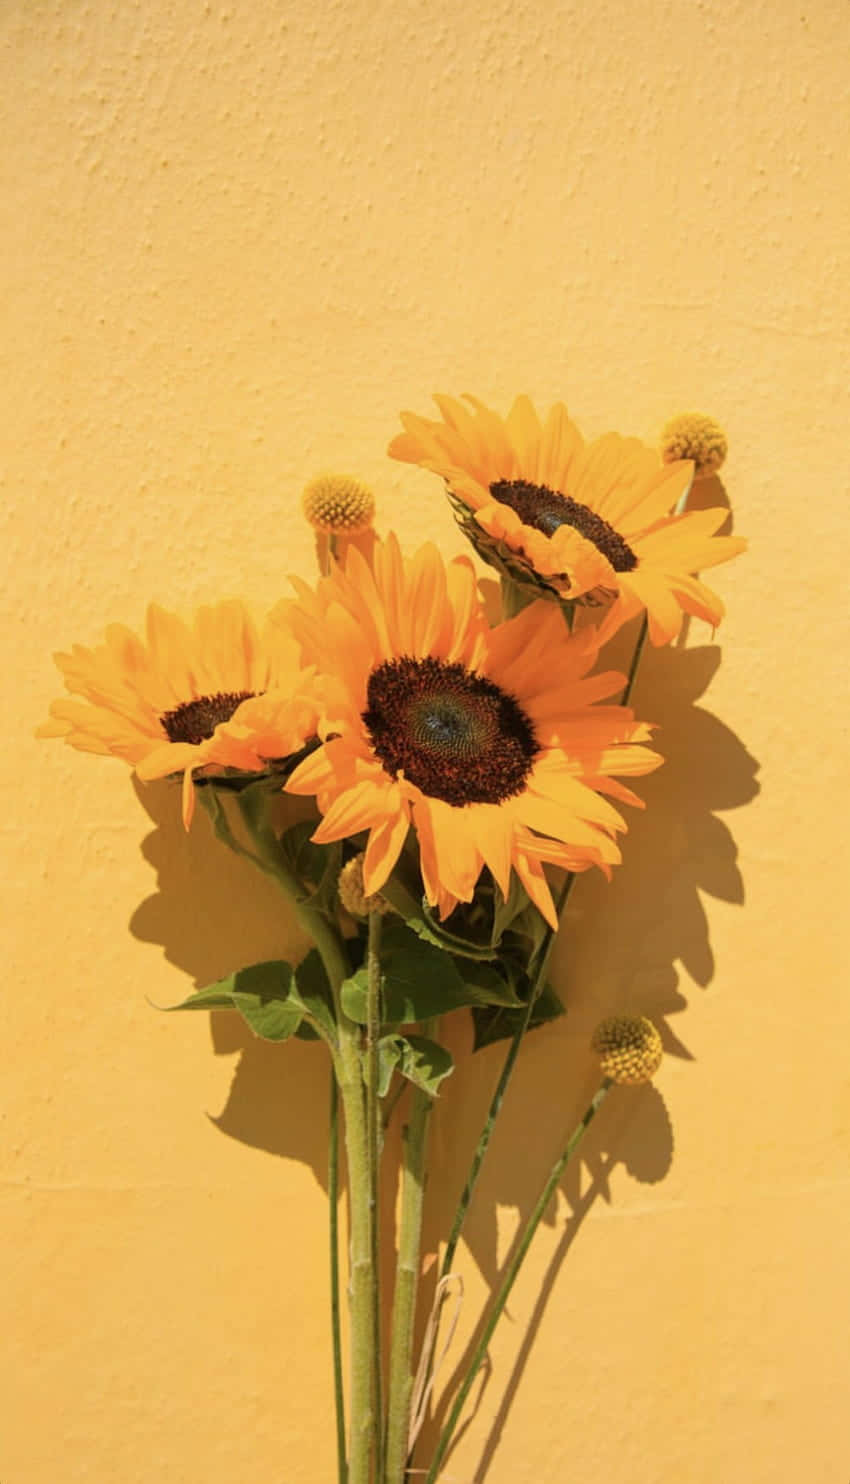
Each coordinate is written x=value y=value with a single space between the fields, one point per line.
x=422 y=1061
x=493 y=1023
x=498 y=554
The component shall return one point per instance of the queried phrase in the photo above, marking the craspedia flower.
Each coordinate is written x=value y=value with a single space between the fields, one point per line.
x=208 y=696
x=694 y=436
x=338 y=504
x=629 y=1048
x=488 y=742
x=352 y=892
x=588 y=523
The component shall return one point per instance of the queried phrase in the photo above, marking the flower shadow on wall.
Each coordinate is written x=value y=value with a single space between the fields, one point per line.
x=618 y=951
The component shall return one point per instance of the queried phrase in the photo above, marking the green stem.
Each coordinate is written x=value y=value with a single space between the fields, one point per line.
x=363 y=1418
x=537 y=983
x=373 y=1129
x=633 y=668
x=511 y=1272
x=333 y=1225
x=347 y=1058
x=538 y=980
x=406 y=1281
x=679 y=509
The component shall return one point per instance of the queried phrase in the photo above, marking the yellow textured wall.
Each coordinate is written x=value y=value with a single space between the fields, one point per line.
x=237 y=239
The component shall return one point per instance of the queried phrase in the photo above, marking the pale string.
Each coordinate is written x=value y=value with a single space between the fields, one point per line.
x=421 y=1394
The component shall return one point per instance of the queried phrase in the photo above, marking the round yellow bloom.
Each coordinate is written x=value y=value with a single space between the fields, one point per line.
x=692 y=435
x=629 y=1048
x=338 y=504
x=352 y=892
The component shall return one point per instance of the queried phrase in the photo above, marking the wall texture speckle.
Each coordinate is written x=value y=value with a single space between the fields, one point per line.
x=238 y=238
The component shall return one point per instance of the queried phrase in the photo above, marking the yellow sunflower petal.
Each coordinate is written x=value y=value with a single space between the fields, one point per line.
x=179 y=685
x=447 y=737
x=592 y=516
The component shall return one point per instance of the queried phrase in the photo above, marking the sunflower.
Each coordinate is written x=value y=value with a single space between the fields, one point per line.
x=584 y=522
x=487 y=740
x=215 y=695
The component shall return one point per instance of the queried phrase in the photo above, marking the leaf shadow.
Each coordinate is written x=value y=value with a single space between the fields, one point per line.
x=213 y=912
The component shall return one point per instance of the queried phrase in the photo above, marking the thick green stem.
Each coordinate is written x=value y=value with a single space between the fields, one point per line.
x=373 y=1133
x=347 y=1058
x=511 y=1272
x=333 y=1234
x=406 y=1280
x=363 y=1417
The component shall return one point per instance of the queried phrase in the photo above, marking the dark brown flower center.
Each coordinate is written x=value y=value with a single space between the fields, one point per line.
x=195 y=721
x=452 y=733
x=546 y=510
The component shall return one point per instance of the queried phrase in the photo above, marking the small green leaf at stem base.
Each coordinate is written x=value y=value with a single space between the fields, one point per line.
x=422 y=1061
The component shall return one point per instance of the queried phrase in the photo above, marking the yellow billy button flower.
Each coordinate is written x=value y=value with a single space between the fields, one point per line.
x=629 y=1048
x=692 y=435
x=352 y=892
x=338 y=505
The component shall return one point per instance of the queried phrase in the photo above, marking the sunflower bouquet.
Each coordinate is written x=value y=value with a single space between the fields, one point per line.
x=459 y=768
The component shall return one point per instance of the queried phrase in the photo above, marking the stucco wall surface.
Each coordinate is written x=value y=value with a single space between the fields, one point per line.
x=238 y=238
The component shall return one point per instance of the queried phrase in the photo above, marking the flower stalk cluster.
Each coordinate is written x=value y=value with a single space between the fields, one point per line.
x=460 y=774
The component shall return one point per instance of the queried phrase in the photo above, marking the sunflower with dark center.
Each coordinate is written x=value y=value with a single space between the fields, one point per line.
x=210 y=696
x=590 y=522
x=488 y=742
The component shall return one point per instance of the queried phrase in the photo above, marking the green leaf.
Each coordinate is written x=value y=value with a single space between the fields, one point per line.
x=420 y=980
x=353 y=994
x=507 y=909
x=311 y=990
x=315 y=867
x=431 y=930
x=425 y=1063
x=403 y=891
x=526 y=934
x=420 y=1060
x=389 y=1056
x=274 y=999
x=496 y=1024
